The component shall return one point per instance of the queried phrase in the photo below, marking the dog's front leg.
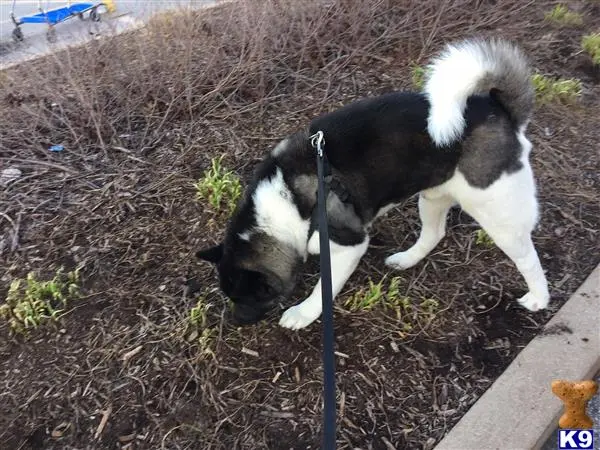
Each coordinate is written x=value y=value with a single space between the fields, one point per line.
x=344 y=260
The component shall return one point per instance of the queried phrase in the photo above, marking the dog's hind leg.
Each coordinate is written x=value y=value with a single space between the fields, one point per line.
x=344 y=260
x=433 y=209
x=508 y=212
x=516 y=243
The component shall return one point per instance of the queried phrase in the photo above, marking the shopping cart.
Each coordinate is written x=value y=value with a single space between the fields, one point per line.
x=51 y=17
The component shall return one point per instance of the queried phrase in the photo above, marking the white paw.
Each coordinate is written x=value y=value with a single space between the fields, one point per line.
x=299 y=316
x=534 y=303
x=403 y=260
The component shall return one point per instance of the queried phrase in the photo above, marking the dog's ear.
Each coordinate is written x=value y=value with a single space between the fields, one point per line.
x=212 y=254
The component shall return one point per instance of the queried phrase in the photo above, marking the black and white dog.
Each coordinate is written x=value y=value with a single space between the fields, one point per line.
x=460 y=141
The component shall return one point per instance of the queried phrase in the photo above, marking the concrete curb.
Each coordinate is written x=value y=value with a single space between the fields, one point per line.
x=519 y=411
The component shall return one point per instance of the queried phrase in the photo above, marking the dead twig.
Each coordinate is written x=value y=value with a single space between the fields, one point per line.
x=103 y=421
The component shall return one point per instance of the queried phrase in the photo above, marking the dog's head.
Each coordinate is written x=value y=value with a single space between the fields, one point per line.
x=256 y=269
x=255 y=274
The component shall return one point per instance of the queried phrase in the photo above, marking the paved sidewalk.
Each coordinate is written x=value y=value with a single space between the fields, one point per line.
x=129 y=14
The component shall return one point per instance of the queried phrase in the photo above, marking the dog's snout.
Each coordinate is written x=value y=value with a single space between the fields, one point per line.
x=245 y=315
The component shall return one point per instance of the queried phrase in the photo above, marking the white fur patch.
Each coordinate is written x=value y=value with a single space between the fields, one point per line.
x=507 y=210
x=344 y=260
x=276 y=213
x=280 y=148
x=383 y=211
x=245 y=236
x=453 y=78
x=526 y=145
x=314 y=243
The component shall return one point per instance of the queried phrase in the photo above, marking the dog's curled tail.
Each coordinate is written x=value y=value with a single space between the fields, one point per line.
x=470 y=67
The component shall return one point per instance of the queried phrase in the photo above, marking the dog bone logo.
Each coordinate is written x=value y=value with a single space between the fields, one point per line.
x=575 y=396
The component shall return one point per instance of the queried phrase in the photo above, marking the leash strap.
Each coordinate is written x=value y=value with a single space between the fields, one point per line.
x=329 y=433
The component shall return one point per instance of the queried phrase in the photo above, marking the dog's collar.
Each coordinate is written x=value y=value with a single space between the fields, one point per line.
x=332 y=184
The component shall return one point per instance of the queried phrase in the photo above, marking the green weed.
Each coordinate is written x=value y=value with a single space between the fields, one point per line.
x=549 y=90
x=199 y=331
x=375 y=294
x=31 y=302
x=590 y=44
x=418 y=75
x=430 y=306
x=387 y=297
x=561 y=15
x=483 y=239
x=379 y=295
x=220 y=187
x=366 y=298
x=205 y=342
x=199 y=314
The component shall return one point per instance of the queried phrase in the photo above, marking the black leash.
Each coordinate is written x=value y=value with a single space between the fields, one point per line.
x=329 y=434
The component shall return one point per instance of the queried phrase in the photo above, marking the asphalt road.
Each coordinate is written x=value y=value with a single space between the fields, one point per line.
x=129 y=14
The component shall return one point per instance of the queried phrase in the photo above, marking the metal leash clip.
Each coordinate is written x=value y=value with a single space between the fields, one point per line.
x=317 y=140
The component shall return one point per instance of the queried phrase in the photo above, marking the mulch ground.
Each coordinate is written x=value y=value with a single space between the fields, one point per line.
x=124 y=369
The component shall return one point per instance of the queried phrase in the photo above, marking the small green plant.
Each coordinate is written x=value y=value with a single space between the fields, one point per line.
x=205 y=342
x=220 y=187
x=373 y=295
x=366 y=298
x=590 y=44
x=200 y=332
x=393 y=291
x=561 y=15
x=387 y=297
x=199 y=313
x=377 y=295
x=418 y=75
x=430 y=306
x=483 y=239
x=555 y=90
x=31 y=302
